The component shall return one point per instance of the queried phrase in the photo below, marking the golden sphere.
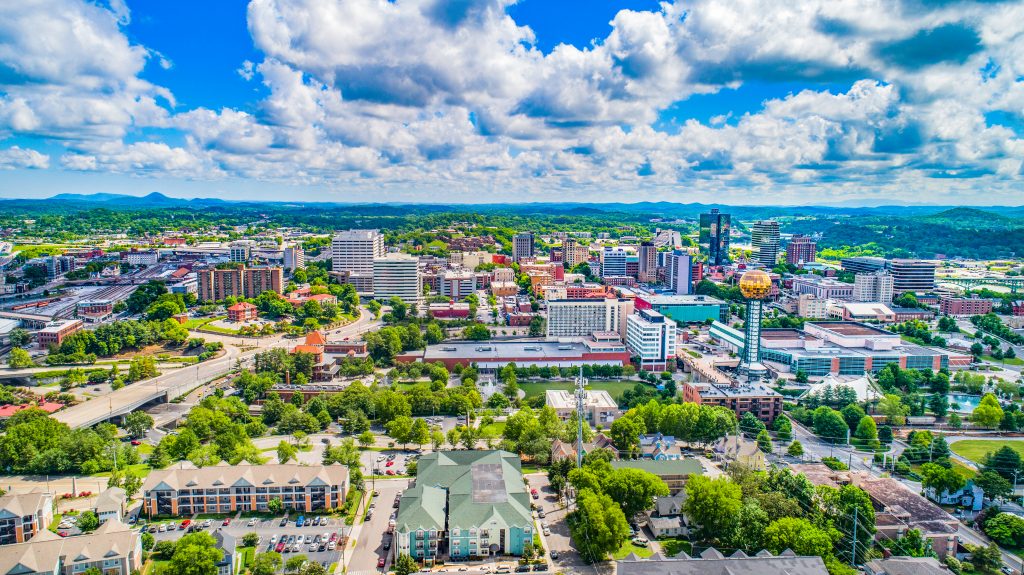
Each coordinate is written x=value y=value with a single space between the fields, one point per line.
x=755 y=284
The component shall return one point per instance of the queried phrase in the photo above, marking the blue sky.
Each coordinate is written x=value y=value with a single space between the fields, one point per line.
x=739 y=101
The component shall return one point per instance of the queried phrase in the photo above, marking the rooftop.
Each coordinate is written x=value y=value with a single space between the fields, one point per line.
x=713 y=562
x=692 y=299
x=851 y=328
x=246 y=476
x=562 y=399
x=662 y=467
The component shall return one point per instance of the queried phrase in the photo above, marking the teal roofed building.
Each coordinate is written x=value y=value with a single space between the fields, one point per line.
x=465 y=504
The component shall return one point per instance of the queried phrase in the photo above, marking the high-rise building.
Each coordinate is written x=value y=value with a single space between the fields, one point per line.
x=651 y=339
x=294 y=258
x=613 y=262
x=582 y=317
x=216 y=284
x=873 y=287
x=679 y=272
x=240 y=252
x=714 y=237
x=764 y=238
x=574 y=252
x=353 y=252
x=912 y=275
x=397 y=275
x=801 y=250
x=258 y=280
x=522 y=246
x=647 y=269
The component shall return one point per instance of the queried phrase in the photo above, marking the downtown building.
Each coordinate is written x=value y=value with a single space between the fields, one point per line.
x=352 y=255
x=916 y=276
x=801 y=250
x=215 y=284
x=822 y=288
x=397 y=275
x=714 y=237
x=965 y=306
x=764 y=239
x=679 y=272
x=579 y=318
x=647 y=263
x=294 y=258
x=651 y=339
x=876 y=286
x=613 y=262
x=574 y=252
x=522 y=246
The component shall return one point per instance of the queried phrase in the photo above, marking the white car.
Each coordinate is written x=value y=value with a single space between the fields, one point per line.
x=332 y=546
x=640 y=541
x=547 y=532
x=251 y=522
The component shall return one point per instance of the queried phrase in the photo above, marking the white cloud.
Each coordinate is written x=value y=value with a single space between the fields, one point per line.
x=17 y=157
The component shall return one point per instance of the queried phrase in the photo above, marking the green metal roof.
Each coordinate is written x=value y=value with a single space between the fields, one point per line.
x=663 y=467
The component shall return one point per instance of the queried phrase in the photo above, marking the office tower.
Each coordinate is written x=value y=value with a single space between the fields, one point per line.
x=863 y=264
x=755 y=285
x=397 y=275
x=873 y=287
x=294 y=258
x=353 y=252
x=679 y=272
x=613 y=262
x=764 y=238
x=574 y=252
x=912 y=275
x=647 y=270
x=801 y=250
x=522 y=246
x=714 y=237
x=651 y=338
x=240 y=252
x=582 y=317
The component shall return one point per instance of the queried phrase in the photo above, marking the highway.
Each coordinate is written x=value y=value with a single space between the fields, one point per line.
x=178 y=382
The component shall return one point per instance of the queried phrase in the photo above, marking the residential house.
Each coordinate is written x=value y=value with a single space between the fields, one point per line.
x=906 y=566
x=111 y=504
x=667 y=518
x=742 y=451
x=472 y=503
x=674 y=472
x=228 y=564
x=24 y=515
x=970 y=496
x=713 y=562
x=659 y=447
x=113 y=548
x=567 y=450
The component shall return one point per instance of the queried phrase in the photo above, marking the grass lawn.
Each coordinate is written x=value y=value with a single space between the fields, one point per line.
x=248 y=554
x=145 y=449
x=1007 y=361
x=672 y=547
x=139 y=469
x=614 y=388
x=493 y=430
x=197 y=322
x=412 y=385
x=976 y=449
x=354 y=503
x=963 y=470
x=628 y=548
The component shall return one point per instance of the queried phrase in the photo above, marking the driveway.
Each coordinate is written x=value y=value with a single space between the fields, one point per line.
x=370 y=536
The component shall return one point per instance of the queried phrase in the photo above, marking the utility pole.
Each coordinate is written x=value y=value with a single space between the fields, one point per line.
x=853 y=555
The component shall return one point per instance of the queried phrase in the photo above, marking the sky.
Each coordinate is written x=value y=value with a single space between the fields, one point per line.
x=802 y=102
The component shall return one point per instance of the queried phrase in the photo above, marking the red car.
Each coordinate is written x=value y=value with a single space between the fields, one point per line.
x=280 y=546
x=390 y=472
x=136 y=442
x=389 y=464
x=226 y=522
x=380 y=562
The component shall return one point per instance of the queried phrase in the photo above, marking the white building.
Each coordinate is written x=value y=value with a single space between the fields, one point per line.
x=397 y=275
x=457 y=284
x=294 y=258
x=807 y=305
x=240 y=252
x=141 y=257
x=613 y=262
x=651 y=339
x=873 y=287
x=582 y=317
x=679 y=272
x=353 y=253
x=470 y=260
x=598 y=406
x=764 y=238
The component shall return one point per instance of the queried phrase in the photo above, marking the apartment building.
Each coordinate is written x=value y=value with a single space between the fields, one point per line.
x=215 y=284
x=522 y=246
x=598 y=406
x=226 y=489
x=965 y=306
x=574 y=252
x=113 y=549
x=55 y=332
x=294 y=258
x=352 y=254
x=397 y=275
x=258 y=280
x=647 y=263
x=873 y=286
x=651 y=339
x=24 y=515
x=801 y=250
x=456 y=284
x=582 y=317
x=679 y=272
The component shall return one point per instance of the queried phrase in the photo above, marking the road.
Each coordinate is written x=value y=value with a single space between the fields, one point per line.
x=181 y=381
x=370 y=536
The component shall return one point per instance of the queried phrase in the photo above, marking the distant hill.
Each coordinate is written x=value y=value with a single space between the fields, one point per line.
x=971 y=218
x=153 y=200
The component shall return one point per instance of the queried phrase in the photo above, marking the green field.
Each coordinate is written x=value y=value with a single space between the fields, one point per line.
x=614 y=388
x=198 y=322
x=1007 y=361
x=975 y=449
x=628 y=548
x=495 y=429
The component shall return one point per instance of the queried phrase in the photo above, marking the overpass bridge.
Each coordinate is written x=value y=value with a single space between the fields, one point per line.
x=1015 y=284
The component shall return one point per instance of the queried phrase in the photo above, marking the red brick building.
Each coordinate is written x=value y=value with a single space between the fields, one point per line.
x=963 y=306
x=242 y=311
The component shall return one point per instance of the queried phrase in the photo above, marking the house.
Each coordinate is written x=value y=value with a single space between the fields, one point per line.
x=472 y=503
x=228 y=564
x=742 y=451
x=242 y=311
x=906 y=566
x=667 y=518
x=970 y=496
x=659 y=447
x=567 y=450
x=24 y=515
x=674 y=472
x=113 y=549
x=111 y=504
x=713 y=562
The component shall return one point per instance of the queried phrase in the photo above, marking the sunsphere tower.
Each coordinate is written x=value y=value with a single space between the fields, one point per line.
x=755 y=285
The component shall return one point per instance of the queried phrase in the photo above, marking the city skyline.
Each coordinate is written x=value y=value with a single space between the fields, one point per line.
x=739 y=103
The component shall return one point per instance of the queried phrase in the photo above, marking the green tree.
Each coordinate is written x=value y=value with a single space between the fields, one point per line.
x=867 y=432
x=713 y=505
x=250 y=539
x=800 y=535
x=476 y=332
x=196 y=554
x=598 y=525
x=852 y=414
x=400 y=429
x=830 y=425
x=148 y=541
x=625 y=435
x=1006 y=529
x=892 y=407
x=19 y=337
x=366 y=438
x=994 y=486
x=783 y=428
x=275 y=506
x=940 y=479
x=19 y=359
x=266 y=563
x=286 y=452
x=87 y=521
x=405 y=565
x=764 y=441
x=419 y=433
x=137 y=423
x=434 y=334
x=1005 y=461
x=634 y=489
x=295 y=562
x=795 y=449
x=985 y=559
x=988 y=413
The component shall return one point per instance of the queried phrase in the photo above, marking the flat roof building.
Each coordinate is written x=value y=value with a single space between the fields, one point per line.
x=581 y=317
x=598 y=406
x=352 y=254
x=498 y=354
x=651 y=339
x=397 y=275
x=912 y=275
x=685 y=308
x=713 y=562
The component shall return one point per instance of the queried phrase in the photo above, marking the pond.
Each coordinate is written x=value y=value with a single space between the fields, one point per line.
x=967 y=402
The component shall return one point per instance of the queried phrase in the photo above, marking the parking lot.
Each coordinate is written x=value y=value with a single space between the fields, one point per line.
x=271 y=532
x=377 y=462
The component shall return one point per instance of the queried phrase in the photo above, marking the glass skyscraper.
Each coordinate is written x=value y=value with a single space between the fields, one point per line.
x=714 y=237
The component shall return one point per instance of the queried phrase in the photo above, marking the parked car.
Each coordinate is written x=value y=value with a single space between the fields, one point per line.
x=640 y=541
x=540 y=567
x=300 y=521
x=251 y=522
x=184 y=524
x=280 y=547
x=226 y=522
x=380 y=562
x=283 y=523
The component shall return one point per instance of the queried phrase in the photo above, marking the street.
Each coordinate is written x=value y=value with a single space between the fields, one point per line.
x=370 y=535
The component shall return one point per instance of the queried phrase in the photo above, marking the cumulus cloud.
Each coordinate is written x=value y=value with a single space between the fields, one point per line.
x=17 y=157
x=453 y=95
